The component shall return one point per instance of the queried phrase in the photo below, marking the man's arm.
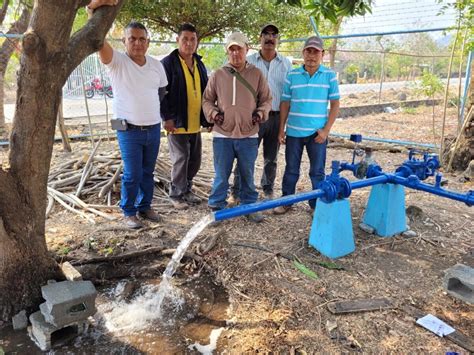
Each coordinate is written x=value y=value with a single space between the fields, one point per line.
x=284 y=109
x=209 y=106
x=264 y=98
x=323 y=133
x=106 y=52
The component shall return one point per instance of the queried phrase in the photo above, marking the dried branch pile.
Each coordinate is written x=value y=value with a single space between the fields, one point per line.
x=89 y=185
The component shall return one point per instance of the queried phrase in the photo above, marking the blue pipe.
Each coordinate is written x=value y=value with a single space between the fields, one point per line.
x=413 y=182
x=289 y=200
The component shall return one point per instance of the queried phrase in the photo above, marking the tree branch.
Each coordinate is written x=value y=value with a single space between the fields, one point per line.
x=9 y=45
x=3 y=11
x=91 y=37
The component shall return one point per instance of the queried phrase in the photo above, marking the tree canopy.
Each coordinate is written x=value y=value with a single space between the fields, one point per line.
x=215 y=18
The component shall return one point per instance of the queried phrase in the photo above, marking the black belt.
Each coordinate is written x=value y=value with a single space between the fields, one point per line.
x=142 y=128
x=274 y=113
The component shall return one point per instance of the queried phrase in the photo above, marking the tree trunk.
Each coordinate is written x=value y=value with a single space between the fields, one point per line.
x=6 y=51
x=49 y=56
x=461 y=156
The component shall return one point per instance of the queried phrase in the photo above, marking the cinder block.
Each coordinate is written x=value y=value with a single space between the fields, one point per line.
x=68 y=302
x=459 y=282
x=47 y=336
x=20 y=320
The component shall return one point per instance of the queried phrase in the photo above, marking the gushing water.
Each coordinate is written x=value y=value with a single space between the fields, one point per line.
x=147 y=307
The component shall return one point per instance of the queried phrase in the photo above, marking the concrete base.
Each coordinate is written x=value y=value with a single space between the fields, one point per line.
x=47 y=336
x=385 y=210
x=459 y=282
x=331 y=232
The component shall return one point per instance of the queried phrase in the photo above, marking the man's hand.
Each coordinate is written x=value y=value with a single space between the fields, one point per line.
x=256 y=118
x=322 y=136
x=94 y=4
x=169 y=126
x=219 y=118
x=282 y=137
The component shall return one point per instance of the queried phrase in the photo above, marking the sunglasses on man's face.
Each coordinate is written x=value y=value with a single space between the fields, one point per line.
x=270 y=34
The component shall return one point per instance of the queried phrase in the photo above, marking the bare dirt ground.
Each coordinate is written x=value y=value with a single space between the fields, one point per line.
x=276 y=308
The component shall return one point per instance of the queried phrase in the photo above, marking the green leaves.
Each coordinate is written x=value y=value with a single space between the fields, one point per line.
x=332 y=9
x=308 y=272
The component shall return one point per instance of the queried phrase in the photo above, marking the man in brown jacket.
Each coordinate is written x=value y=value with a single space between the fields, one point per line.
x=237 y=99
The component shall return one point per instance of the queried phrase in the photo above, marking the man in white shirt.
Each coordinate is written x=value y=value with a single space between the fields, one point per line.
x=274 y=67
x=136 y=80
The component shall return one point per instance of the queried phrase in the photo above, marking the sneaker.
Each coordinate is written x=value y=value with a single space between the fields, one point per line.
x=255 y=217
x=233 y=201
x=132 y=222
x=191 y=198
x=150 y=215
x=281 y=209
x=179 y=203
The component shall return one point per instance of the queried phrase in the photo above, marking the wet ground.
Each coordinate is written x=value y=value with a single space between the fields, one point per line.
x=180 y=330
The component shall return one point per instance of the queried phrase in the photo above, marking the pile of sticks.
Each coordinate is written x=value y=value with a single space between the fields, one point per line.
x=90 y=185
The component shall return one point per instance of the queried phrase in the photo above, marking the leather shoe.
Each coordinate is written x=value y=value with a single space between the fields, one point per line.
x=189 y=197
x=150 y=215
x=132 y=222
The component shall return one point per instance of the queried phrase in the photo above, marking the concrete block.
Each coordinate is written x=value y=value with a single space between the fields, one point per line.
x=70 y=272
x=459 y=282
x=68 y=302
x=20 y=320
x=48 y=336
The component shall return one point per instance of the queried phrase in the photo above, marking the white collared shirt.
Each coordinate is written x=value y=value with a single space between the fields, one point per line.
x=275 y=74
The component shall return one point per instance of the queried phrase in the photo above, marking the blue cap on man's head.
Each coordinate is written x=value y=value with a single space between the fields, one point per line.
x=314 y=42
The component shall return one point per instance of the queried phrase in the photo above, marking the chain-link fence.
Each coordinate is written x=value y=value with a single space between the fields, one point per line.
x=392 y=87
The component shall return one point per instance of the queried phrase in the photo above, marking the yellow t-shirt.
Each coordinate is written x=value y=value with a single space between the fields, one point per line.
x=193 y=90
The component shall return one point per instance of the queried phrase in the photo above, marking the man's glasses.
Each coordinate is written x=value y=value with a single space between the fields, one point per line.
x=270 y=34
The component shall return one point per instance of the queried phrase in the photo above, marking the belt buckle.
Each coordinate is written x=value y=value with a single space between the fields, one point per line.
x=143 y=128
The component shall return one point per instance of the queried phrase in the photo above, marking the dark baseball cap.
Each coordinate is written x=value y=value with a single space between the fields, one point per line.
x=269 y=26
x=314 y=42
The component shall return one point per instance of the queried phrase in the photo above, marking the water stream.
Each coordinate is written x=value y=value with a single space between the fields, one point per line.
x=147 y=307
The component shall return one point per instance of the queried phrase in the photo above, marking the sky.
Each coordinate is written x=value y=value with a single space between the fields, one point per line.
x=400 y=15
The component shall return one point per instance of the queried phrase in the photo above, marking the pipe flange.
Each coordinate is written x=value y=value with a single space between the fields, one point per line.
x=345 y=189
x=330 y=191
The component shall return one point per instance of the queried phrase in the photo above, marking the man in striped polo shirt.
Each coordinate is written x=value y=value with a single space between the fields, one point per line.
x=304 y=112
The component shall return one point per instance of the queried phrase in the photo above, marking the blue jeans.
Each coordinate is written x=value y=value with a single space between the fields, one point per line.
x=139 y=149
x=268 y=133
x=317 y=161
x=225 y=151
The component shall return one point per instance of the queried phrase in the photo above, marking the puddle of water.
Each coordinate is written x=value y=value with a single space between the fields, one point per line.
x=157 y=319
x=210 y=314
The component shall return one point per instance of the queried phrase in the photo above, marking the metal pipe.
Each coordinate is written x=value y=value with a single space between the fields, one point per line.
x=407 y=143
x=372 y=34
x=289 y=200
x=313 y=24
x=416 y=184
x=266 y=205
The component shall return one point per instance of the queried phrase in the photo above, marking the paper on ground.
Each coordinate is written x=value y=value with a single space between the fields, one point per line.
x=435 y=325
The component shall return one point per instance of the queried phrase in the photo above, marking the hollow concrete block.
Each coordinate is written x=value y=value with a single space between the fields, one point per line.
x=459 y=282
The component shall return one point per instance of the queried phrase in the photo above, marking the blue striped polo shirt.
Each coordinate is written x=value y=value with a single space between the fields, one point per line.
x=309 y=98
